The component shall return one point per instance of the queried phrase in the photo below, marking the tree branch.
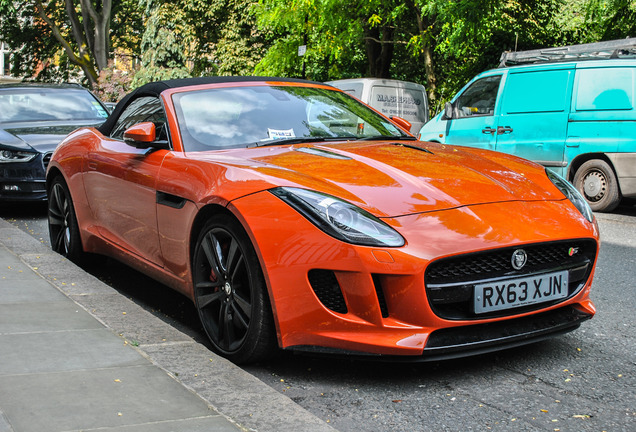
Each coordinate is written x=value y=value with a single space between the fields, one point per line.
x=384 y=41
x=76 y=28
x=84 y=63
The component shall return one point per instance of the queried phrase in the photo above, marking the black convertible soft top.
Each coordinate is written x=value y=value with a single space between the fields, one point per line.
x=155 y=89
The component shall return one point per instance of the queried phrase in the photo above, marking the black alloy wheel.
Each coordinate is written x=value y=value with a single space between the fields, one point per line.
x=596 y=181
x=63 y=228
x=230 y=292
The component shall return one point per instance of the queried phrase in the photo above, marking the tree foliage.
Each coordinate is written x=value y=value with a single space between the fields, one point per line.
x=227 y=40
x=52 y=38
x=164 y=44
x=439 y=43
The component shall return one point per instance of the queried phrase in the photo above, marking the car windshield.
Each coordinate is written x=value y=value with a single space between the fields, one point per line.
x=264 y=115
x=49 y=104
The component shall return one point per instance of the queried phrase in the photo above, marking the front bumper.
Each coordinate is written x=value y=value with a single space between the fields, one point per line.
x=329 y=296
x=459 y=342
x=23 y=181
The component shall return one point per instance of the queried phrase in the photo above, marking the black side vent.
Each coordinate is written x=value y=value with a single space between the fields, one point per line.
x=327 y=289
x=380 y=293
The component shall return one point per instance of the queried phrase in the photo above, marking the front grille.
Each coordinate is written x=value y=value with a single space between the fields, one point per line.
x=21 y=174
x=450 y=282
x=327 y=289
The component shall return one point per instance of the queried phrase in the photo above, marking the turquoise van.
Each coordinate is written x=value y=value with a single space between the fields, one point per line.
x=577 y=118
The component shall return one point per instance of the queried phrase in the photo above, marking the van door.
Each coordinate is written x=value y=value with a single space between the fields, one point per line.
x=474 y=122
x=534 y=115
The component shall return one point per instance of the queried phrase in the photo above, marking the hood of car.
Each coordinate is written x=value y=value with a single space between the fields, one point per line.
x=42 y=136
x=391 y=179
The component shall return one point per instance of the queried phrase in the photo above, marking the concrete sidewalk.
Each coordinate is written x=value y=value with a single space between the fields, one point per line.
x=75 y=355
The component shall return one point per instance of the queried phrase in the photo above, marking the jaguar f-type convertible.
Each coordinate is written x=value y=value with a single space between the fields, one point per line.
x=294 y=216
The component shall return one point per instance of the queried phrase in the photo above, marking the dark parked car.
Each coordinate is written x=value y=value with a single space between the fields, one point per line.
x=34 y=118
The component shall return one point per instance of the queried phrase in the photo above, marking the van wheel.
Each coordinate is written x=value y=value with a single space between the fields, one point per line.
x=597 y=182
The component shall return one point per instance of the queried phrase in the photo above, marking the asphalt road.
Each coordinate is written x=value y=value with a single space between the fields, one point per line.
x=583 y=381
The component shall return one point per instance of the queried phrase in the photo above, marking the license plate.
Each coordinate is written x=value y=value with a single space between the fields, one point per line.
x=512 y=293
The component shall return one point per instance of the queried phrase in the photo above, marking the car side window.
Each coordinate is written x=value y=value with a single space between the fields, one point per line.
x=479 y=99
x=143 y=109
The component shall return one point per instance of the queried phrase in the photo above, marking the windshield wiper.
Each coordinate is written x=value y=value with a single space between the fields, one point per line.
x=299 y=140
x=387 y=138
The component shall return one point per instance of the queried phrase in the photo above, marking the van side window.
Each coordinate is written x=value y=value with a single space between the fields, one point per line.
x=531 y=92
x=605 y=89
x=479 y=99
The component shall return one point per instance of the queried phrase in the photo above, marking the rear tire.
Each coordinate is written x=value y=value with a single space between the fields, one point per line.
x=63 y=227
x=230 y=292
x=597 y=182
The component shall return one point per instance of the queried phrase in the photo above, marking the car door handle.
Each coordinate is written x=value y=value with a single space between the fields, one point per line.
x=488 y=130
x=503 y=129
x=92 y=165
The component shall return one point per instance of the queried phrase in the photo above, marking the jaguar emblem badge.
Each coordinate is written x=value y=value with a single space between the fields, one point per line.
x=519 y=259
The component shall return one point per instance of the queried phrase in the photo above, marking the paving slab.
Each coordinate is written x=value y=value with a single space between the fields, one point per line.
x=64 y=351
x=19 y=291
x=53 y=316
x=89 y=399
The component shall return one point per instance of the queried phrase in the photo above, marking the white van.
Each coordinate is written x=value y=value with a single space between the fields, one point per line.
x=391 y=97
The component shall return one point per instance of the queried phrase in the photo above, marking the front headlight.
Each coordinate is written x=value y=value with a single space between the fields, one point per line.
x=16 y=156
x=339 y=218
x=572 y=194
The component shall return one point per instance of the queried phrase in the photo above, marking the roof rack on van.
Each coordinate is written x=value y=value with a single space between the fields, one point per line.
x=593 y=51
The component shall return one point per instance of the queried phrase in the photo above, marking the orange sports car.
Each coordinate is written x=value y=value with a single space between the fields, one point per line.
x=295 y=216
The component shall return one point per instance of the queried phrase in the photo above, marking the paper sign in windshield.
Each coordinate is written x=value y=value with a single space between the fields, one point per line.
x=280 y=133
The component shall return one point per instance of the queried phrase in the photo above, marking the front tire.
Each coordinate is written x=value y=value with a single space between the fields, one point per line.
x=230 y=292
x=597 y=182
x=63 y=227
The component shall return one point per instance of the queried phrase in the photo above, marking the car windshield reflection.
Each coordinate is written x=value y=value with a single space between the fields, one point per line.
x=49 y=104
x=257 y=115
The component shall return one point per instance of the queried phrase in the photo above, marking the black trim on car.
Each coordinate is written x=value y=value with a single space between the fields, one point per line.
x=169 y=200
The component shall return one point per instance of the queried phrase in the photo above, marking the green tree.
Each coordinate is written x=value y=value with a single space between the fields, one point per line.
x=198 y=37
x=226 y=38
x=607 y=20
x=342 y=38
x=471 y=35
x=164 y=44
x=73 y=32
x=437 y=42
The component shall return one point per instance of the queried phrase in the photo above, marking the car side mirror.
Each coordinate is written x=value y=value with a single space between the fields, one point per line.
x=144 y=135
x=448 y=110
x=404 y=124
